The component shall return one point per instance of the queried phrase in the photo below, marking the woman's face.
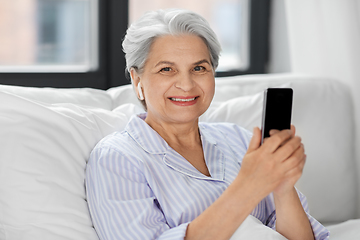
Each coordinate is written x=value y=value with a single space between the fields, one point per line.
x=178 y=79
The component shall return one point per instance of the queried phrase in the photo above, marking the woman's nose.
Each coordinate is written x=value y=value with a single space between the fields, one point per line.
x=185 y=82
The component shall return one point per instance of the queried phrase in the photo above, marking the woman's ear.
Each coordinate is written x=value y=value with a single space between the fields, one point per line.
x=135 y=78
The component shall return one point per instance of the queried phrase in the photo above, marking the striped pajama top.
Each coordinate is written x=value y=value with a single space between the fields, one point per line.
x=138 y=187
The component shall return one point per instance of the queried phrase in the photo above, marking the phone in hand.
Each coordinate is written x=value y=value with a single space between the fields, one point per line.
x=277 y=110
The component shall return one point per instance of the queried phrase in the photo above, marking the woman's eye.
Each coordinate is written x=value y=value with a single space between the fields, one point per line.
x=199 y=68
x=165 y=69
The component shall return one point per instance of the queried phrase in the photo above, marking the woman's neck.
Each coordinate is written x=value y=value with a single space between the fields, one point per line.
x=177 y=134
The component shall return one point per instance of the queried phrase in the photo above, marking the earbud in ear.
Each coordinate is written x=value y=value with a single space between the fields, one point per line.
x=141 y=96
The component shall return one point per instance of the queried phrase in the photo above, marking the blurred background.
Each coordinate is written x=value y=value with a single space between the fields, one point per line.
x=61 y=35
x=77 y=43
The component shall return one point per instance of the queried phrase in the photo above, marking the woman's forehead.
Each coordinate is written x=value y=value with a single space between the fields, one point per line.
x=171 y=48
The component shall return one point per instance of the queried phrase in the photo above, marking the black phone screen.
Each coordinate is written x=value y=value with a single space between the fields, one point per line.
x=277 y=110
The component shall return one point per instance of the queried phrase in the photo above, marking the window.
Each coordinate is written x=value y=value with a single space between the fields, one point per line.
x=54 y=43
x=49 y=36
x=77 y=43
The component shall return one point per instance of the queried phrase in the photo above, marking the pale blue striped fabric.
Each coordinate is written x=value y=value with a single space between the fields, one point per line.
x=140 y=188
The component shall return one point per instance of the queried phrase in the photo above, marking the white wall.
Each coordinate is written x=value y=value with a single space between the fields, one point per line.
x=279 y=57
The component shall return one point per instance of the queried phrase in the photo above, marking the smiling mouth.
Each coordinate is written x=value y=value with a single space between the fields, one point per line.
x=183 y=99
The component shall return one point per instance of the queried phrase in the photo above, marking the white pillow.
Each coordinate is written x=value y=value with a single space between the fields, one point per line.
x=44 y=150
x=323 y=114
x=128 y=109
x=245 y=111
x=122 y=95
x=80 y=96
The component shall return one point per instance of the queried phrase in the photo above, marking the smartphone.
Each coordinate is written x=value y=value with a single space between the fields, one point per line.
x=276 y=110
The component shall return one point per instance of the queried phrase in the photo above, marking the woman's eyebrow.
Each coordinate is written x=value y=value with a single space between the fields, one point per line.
x=171 y=63
x=164 y=62
x=202 y=61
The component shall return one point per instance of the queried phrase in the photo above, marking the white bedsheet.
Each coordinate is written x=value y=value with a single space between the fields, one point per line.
x=253 y=229
x=349 y=230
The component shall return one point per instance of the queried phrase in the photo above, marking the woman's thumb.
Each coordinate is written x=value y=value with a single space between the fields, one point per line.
x=255 y=140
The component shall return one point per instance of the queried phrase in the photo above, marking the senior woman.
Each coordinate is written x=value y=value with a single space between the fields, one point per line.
x=167 y=176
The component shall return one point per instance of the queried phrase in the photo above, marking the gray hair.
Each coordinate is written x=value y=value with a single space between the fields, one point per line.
x=141 y=34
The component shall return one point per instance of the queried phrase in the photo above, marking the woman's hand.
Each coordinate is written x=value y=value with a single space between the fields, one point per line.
x=274 y=166
x=293 y=175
